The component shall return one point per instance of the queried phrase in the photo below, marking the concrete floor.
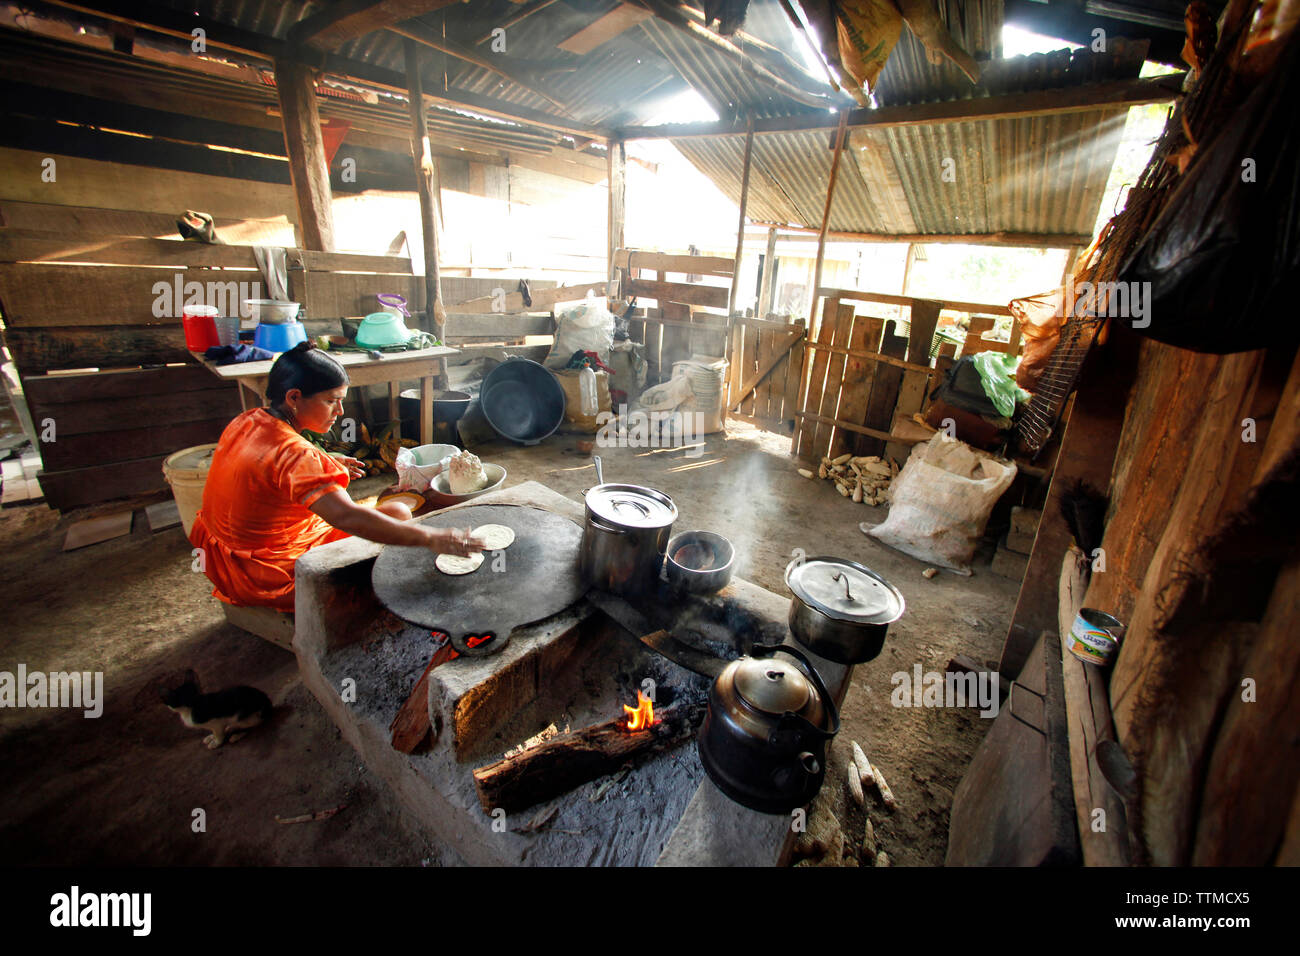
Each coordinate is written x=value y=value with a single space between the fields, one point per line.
x=124 y=788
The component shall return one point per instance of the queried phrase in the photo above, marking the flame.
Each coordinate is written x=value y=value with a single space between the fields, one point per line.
x=472 y=641
x=642 y=715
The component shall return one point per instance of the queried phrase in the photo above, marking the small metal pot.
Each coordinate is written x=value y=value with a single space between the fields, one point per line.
x=841 y=610
x=763 y=740
x=682 y=576
x=625 y=536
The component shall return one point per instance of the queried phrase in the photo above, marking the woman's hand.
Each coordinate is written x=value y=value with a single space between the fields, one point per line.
x=457 y=541
x=355 y=468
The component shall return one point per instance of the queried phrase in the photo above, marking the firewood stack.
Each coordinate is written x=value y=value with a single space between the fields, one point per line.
x=863 y=479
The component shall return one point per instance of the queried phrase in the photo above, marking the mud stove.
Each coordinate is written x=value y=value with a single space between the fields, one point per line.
x=568 y=665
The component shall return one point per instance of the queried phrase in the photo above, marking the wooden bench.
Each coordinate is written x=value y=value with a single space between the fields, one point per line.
x=266 y=622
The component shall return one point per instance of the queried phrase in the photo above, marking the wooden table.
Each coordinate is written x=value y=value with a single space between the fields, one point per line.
x=423 y=364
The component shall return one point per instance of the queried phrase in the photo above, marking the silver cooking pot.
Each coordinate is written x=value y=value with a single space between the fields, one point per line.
x=625 y=536
x=841 y=610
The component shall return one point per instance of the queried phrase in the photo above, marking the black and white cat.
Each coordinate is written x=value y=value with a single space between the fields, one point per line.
x=222 y=713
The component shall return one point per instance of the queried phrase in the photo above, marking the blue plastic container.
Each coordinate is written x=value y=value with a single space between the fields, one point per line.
x=279 y=338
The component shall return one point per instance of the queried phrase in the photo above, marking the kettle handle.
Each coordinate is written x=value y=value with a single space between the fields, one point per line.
x=767 y=650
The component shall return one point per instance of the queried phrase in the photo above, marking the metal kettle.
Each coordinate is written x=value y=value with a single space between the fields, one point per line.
x=763 y=740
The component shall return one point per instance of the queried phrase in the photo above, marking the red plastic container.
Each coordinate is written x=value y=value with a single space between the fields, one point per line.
x=200 y=327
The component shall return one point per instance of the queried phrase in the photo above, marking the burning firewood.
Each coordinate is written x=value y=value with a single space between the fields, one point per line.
x=410 y=728
x=566 y=761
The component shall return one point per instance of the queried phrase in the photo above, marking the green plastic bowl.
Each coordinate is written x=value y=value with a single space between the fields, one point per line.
x=381 y=330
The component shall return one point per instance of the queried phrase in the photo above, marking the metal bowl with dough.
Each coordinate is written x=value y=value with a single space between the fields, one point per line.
x=440 y=493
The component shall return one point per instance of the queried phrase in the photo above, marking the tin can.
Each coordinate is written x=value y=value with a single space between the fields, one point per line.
x=1094 y=636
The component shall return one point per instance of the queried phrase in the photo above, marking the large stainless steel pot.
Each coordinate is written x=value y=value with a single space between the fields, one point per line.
x=625 y=536
x=763 y=740
x=841 y=609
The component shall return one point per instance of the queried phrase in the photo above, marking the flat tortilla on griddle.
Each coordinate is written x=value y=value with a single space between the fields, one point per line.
x=454 y=564
x=495 y=537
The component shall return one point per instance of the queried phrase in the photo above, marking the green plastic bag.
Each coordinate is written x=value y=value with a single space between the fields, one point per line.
x=998 y=376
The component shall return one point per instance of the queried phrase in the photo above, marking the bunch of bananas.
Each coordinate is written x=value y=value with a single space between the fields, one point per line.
x=377 y=452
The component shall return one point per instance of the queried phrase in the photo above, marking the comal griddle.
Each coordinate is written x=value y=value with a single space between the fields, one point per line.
x=533 y=579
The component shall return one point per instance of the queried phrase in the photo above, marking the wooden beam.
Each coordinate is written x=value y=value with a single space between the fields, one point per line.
x=1035 y=240
x=525 y=11
x=345 y=20
x=767 y=281
x=308 y=167
x=420 y=35
x=885 y=298
x=622 y=18
x=261 y=47
x=704 y=296
x=860 y=429
x=1089 y=722
x=740 y=226
x=840 y=137
x=675 y=17
x=426 y=175
x=1116 y=95
x=626 y=259
x=616 y=160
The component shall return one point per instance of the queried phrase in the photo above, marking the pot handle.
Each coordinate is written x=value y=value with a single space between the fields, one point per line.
x=610 y=529
x=767 y=650
x=600 y=472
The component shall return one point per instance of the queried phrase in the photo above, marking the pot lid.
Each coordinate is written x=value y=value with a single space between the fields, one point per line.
x=630 y=506
x=773 y=686
x=845 y=591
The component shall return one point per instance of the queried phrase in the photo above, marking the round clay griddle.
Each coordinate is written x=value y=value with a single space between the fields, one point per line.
x=540 y=578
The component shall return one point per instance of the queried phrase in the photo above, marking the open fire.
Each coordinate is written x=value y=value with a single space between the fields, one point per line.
x=642 y=715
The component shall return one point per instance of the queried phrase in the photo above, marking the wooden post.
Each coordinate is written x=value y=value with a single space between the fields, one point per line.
x=767 y=281
x=840 y=136
x=907 y=266
x=426 y=178
x=740 y=227
x=308 y=168
x=616 y=164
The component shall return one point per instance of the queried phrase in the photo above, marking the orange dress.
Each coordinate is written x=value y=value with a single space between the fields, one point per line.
x=255 y=520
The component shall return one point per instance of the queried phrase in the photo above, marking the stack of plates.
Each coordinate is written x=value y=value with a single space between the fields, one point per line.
x=708 y=380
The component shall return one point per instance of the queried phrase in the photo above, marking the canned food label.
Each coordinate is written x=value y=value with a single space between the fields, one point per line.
x=1092 y=645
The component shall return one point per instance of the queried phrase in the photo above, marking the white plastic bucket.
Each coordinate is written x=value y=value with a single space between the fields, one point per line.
x=187 y=472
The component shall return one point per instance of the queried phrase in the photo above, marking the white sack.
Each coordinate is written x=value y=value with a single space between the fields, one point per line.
x=941 y=501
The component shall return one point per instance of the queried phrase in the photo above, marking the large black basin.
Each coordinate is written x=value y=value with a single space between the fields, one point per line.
x=522 y=400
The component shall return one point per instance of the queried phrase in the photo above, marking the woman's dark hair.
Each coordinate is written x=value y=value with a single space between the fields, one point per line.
x=305 y=368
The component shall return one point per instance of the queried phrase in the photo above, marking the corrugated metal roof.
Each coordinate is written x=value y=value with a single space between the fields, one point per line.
x=1033 y=174
x=1039 y=174
x=607 y=87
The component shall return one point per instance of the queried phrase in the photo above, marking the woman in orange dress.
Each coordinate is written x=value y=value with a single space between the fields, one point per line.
x=271 y=495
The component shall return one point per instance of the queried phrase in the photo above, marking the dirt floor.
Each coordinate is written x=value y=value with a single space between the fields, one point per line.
x=125 y=788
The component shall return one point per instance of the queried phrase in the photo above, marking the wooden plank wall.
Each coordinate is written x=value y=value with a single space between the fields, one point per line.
x=1218 y=776
x=865 y=376
x=774 y=350
x=81 y=299
x=689 y=317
